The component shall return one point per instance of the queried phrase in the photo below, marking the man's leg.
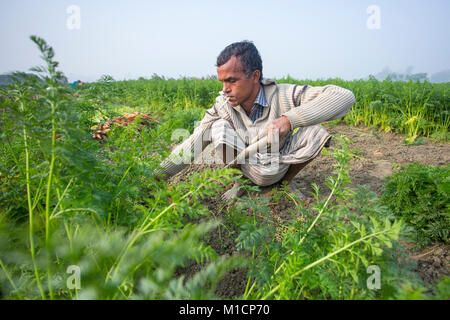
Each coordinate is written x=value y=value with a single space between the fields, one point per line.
x=294 y=169
x=291 y=173
x=227 y=144
x=228 y=154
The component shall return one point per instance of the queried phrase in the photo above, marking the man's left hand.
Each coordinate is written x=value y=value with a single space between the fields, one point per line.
x=280 y=127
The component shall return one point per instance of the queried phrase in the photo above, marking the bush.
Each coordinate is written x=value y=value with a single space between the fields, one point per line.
x=419 y=194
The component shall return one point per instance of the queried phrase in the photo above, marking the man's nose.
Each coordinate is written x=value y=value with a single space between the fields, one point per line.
x=226 y=88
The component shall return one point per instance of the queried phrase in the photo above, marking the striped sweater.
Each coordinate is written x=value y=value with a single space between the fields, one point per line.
x=302 y=105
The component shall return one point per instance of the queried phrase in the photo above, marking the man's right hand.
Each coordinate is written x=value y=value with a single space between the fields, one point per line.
x=280 y=127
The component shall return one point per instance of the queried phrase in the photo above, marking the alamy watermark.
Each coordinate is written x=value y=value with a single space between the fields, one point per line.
x=73 y=21
x=374 y=20
x=74 y=280
x=374 y=281
x=225 y=134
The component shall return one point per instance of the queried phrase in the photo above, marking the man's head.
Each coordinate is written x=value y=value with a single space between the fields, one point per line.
x=239 y=67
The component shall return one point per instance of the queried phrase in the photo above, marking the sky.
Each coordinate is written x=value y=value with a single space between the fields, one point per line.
x=128 y=39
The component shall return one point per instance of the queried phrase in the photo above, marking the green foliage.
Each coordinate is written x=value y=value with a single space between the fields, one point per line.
x=414 y=108
x=419 y=194
x=324 y=253
x=106 y=78
x=186 y=119
x=67 y=199
x=417 y=292
x=147 y=272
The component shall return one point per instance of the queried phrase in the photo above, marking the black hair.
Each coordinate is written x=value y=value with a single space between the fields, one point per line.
x=246 y=52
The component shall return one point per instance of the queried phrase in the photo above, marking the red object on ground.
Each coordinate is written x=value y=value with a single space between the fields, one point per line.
x=101 y=130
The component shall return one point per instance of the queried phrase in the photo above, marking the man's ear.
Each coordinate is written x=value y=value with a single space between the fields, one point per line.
x=256 y=76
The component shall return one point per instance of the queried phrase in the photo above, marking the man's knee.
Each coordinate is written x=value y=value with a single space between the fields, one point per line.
x=225 y=153
x=264 y=175
x=225 y=139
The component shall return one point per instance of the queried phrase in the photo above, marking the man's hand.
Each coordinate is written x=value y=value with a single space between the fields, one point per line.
x=280 y=127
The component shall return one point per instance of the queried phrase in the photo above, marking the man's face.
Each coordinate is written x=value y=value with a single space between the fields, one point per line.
x=236 y=85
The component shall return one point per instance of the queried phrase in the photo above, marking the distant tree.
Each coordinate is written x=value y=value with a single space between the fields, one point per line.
x=387 y=74
x=441 y=76
x=418 y=77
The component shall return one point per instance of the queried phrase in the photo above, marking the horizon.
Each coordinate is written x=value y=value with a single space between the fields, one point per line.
x=325 y=40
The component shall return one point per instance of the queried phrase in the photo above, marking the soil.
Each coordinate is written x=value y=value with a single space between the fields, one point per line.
x=433 y=262
x=377 y=155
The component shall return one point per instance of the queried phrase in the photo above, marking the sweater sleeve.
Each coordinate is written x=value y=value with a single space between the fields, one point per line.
x=184 y=153
x=318 y=104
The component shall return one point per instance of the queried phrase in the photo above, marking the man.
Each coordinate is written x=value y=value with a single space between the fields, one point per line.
x=250 y=107
x=77 y=82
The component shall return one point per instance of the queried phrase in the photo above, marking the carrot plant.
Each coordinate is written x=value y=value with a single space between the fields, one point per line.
x=419 y=194
x=324 y=253
x=413 y=108
x=70 y=201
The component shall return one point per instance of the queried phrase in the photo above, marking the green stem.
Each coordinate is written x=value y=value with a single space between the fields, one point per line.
x=50 y=176
x=352 y=291
x=326 y=258
x=247 y=292
x=143 y=229
x=30 y=213
x=322 y=210
x=133 y=240
x=72 y=209
x=118 y=186
x=47 y=198
x=60 y=198
x=37 y=195
x=10 y=278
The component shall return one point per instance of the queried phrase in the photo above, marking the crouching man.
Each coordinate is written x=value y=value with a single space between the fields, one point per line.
x=250 y=107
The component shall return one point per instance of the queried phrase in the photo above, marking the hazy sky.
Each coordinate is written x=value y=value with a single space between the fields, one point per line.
x=306 y=39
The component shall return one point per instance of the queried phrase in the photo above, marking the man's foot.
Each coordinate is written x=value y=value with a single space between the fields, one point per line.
x=233 y=193
x=294 y=189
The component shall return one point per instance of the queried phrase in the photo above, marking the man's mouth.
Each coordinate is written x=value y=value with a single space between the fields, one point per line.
x=231 y=99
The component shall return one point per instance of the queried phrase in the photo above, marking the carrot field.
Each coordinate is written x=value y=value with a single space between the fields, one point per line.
x=83 y=217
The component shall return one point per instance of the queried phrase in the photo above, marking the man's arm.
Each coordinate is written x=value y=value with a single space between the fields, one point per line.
x=315 y=105
x=184 y=153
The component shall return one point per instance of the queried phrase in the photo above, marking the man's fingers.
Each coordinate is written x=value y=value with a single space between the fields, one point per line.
x=273 y=134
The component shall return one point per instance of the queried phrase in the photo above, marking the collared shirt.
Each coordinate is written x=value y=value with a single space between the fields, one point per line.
x=259 y=105
x=258 y=109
